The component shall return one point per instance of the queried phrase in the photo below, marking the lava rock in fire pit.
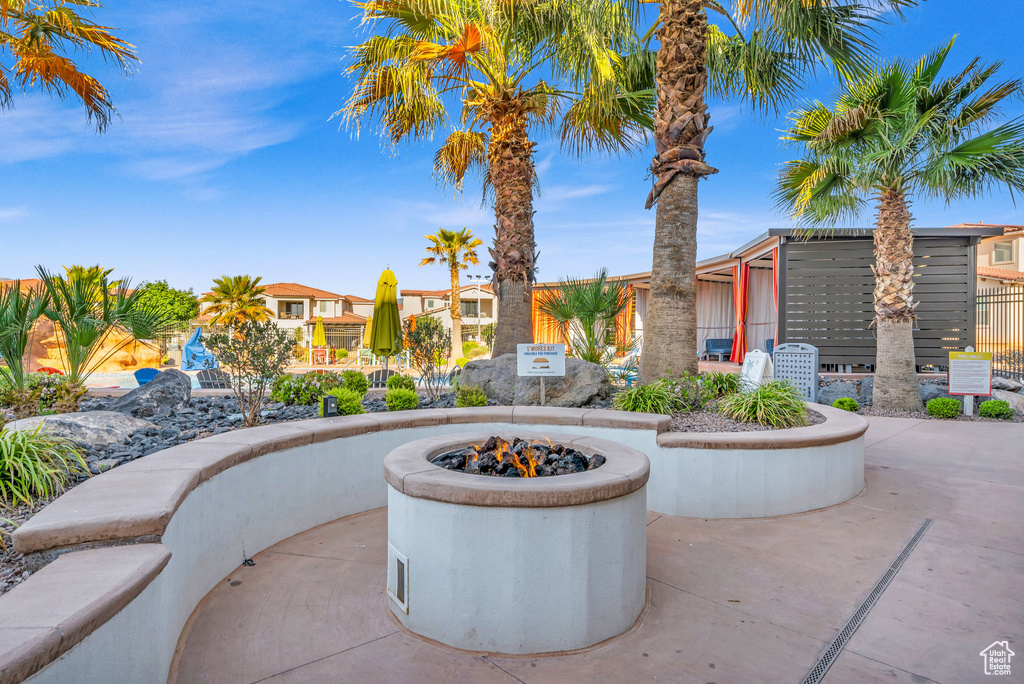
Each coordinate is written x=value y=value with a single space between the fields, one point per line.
x=520 y=458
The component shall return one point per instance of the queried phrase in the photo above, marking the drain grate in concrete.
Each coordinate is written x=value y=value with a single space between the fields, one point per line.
x=832 y=651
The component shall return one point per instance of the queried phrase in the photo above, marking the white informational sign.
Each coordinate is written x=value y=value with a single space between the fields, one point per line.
x=540 y=360
x=970 y=373
x=757 y=368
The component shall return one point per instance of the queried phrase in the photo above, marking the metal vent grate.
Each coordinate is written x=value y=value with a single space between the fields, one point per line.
x=829 y=655
x=398 y=578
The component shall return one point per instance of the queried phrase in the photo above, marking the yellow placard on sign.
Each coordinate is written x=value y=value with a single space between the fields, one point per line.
x=970 y=373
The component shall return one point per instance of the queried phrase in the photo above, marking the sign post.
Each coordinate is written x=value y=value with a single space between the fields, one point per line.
x=970 y=374
x=540 y=361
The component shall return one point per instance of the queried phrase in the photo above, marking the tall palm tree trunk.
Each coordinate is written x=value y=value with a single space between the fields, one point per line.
x=456 y=310
x=670 y=331
x=895 y=386
x=510 y=163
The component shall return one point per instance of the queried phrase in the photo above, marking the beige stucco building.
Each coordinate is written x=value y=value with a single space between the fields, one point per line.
x=478 y=303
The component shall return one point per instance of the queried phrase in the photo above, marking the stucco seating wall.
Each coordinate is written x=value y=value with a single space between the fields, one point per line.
x=131 y=552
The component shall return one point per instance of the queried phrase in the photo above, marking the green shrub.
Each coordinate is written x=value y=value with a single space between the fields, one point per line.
x=303 y=390
x=476 y=353
x=356 y=381
x=349 y=403
x=944 y=407
x=470 y=396
x=719 y=384
x=846 y=403
x=401 y=399
x=688 y=391
x=56 y=392
x=341 y=353
x=34 y=465
x=655 y=397
x=996 y=408
x=468 y=346
x=778 y=404
x=252 y=354
x=461 y=361
x=399 y=381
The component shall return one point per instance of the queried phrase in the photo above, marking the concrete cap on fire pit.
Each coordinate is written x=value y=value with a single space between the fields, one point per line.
x=408 y=470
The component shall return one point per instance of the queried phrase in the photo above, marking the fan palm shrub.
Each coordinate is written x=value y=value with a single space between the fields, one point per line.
x=456 y=250
x=897 y=132
x=491 y=75
x=19 y=311
x=235 y=300
x=586 y=310
x=94 y=321
x=40 y=35
x=759 y=52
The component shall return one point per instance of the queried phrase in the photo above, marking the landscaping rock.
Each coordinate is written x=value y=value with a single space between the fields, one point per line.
x=168 y=392
x=931 y=391
x=866 y=389
x=91 y=429
x=584 y=384
x=837 y=390
x=1015 y=400
x=1005 y=384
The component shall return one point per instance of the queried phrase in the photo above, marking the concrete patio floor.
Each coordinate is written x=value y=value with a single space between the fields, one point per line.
x=731 y=600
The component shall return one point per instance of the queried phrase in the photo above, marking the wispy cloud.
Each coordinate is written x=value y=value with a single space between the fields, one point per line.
x=13 y=214
x=558 y=193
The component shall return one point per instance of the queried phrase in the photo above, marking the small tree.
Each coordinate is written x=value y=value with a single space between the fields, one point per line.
x=585 y=310
x=19 y=311
x=456 y=250
x=253 y=354
x=429 y=346
x=180 y=306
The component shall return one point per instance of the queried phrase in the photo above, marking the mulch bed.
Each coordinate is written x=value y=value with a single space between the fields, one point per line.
x=711 y=421
x=921 y=415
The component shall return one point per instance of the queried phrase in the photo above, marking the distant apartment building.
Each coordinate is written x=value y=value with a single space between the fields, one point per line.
x=478 y=304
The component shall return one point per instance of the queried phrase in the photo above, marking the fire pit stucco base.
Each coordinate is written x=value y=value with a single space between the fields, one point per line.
x=512 y=565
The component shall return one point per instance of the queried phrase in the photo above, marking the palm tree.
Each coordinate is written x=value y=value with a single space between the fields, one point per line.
x=773 y=46
x=19 y=311
x=585 y=310
x=39 y=35
x=90 y=315
x=489 y=59
x=897 y=132
x=235 y=300
x=456 y=250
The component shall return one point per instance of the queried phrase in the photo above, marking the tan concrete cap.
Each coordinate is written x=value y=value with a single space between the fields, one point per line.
x=839 y=426
x=64 y=602
x=408 y=470
x=116 y=505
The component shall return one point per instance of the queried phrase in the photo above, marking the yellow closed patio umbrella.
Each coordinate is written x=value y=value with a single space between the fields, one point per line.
x=319 y=337
x=385 y=334
x=366 y=331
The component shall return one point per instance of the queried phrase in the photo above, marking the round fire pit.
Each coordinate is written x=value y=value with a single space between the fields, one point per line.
x=516 y=565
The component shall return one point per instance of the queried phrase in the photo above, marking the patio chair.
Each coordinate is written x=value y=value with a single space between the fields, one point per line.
x=379 y=378
x=625 y=369
x=719 y=346
x=365 y=357
x=144 y=375
x=210 y=378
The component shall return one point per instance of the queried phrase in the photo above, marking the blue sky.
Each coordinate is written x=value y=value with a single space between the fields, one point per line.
x=225 y=160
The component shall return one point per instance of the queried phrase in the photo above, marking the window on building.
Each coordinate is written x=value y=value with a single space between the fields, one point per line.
x=431 y=303
x=292 y=310
x=323 y=307
x=1002 y=252
x=982 y=313
x=471 y=308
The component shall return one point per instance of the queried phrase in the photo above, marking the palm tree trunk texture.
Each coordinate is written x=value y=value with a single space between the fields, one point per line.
x=896 y=386
x=456 y=310
x=681 y=128
x=510 y=163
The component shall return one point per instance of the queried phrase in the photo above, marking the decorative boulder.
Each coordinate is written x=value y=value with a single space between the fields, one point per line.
x=91 y=429
x=1015 y=400
x=867 y=390
x=584 y=383
x=931 y=391
x=837 y=390
x=169 y=391
x=1005 y=384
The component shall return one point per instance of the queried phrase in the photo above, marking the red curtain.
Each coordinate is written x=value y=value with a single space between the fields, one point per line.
x=775 y=289
x=740 y=280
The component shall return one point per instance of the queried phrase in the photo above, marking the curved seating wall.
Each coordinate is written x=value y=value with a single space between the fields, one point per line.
x=134 y=550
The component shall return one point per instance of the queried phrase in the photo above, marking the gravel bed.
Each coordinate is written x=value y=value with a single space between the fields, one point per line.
x=12 y=565
x=706 y=420
x=921 y=415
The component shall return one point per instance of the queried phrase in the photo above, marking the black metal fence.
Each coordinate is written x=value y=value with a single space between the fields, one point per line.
x=1000 y=329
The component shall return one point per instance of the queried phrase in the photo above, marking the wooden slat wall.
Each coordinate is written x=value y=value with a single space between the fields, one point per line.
x=828 y=298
